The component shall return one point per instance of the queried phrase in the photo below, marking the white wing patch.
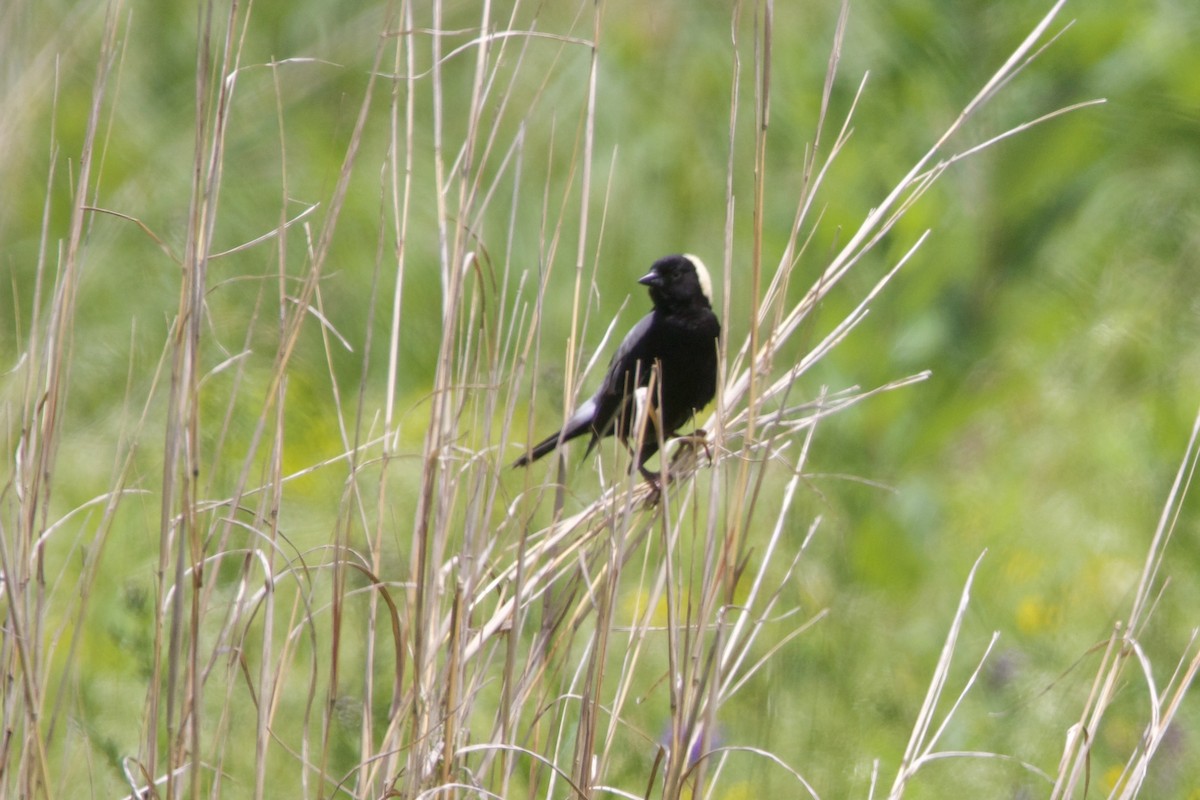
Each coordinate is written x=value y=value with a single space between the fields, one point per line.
x=641 y=404
x=582 y=417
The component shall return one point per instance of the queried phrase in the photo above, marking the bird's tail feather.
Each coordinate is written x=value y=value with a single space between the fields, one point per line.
x=538 y=450
x=579 y=423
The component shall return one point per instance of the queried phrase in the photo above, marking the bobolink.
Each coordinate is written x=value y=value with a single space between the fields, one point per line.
x=677 y=342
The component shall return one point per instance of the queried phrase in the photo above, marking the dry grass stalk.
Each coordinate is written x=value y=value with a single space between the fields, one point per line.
x=506 y=660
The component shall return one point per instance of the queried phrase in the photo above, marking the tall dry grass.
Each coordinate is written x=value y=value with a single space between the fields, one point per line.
x=493 y=634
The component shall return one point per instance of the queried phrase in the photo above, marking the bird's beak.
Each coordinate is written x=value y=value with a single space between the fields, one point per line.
x=650 y=279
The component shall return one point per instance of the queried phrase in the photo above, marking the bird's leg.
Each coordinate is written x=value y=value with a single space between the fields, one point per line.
x=655 y=481
x=638 y=458
x=697 y=437
x=700 y=435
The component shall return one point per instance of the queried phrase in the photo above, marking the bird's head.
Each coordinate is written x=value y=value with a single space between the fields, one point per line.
x=679 y=281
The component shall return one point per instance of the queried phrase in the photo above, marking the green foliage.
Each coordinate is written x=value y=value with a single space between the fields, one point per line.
x=1054 y=303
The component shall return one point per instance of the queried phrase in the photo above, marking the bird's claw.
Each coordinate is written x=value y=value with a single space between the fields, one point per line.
x=700 y=436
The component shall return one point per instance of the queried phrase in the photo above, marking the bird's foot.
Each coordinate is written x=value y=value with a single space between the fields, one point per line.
x=700 y=437
x=697 y=438
x=654 y=479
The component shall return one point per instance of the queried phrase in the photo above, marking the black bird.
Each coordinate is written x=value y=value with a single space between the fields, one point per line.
x=677 y=341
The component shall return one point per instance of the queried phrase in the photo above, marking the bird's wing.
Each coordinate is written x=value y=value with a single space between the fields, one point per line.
x=580 y=420
x=632 y=347
x=608 y=403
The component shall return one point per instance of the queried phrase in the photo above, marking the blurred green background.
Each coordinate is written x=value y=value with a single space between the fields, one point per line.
x=1055 y=303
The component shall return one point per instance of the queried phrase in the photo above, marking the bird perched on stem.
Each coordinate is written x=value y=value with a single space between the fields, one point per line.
x=670 y=355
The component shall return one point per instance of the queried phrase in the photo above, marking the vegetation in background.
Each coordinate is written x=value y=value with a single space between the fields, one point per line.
x=287 y=288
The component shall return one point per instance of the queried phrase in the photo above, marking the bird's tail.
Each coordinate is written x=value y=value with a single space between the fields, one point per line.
x=579 y=423
x=538 y=450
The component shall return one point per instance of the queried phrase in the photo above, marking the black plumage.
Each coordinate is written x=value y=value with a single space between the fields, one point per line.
x=677 y=341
